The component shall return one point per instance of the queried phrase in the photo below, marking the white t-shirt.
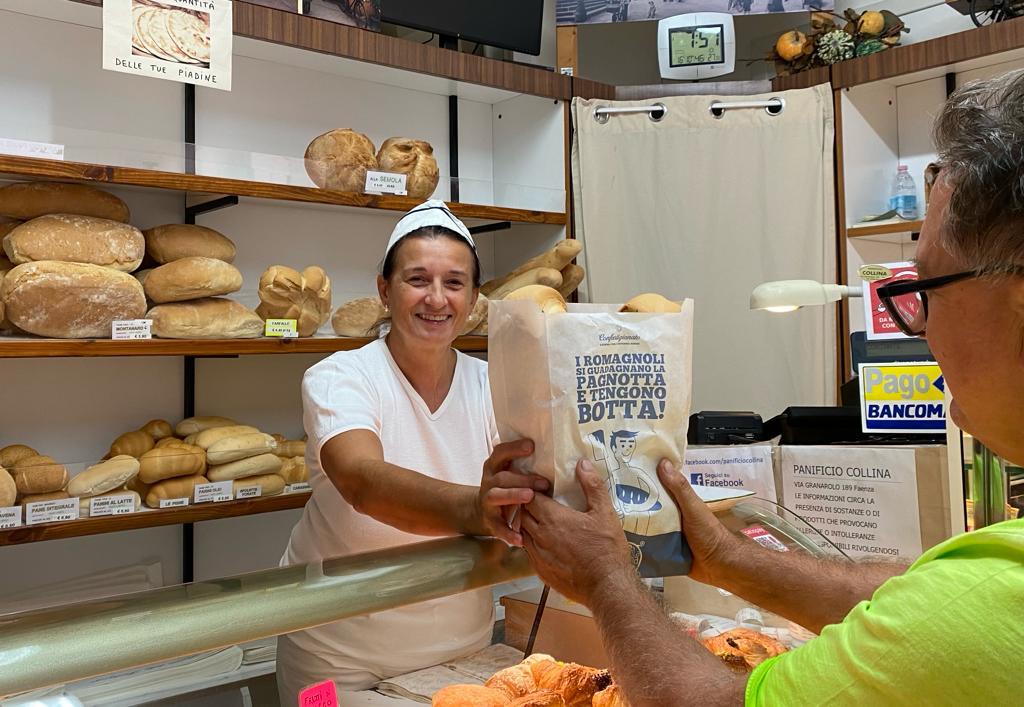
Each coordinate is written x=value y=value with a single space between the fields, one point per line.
x=365 y=389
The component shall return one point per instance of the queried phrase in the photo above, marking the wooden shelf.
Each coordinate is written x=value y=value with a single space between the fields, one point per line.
x=34 y=168
x=883 y=229
x=151 y=519
x=802 y=79
x=26 y=347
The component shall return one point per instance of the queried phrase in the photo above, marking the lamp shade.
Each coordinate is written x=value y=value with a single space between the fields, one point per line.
x=789 y=295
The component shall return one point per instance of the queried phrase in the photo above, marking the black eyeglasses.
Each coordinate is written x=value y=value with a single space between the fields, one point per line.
x=906 y=301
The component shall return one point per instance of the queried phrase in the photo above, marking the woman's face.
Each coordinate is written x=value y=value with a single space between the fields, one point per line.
x=430 y=292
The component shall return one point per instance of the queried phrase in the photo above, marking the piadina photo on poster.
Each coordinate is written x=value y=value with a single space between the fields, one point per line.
x=608 y=386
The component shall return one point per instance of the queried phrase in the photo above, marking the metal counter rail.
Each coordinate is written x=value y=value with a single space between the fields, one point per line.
x=55 y=646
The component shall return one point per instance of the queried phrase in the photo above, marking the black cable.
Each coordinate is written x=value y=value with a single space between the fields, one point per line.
x=432 y=35
x=536 y=621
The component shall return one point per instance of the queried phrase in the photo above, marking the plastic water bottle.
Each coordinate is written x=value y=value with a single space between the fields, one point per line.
x=904 y=195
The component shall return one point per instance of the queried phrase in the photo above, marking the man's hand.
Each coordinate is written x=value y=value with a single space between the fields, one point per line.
x=502 y=489
x=710 y=542
x=575 y=552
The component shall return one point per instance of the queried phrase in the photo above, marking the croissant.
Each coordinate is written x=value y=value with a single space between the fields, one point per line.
x=514 y=682
x=576 y=683
x=743 y=648
x=651 y=303
x=547 y=298
x=611 y=696
x=541 y=698
x=469 y=696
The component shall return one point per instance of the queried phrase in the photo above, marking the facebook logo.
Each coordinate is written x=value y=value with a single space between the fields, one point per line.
x=697 y=479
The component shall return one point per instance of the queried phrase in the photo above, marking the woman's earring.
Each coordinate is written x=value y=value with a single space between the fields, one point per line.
x=386 y=308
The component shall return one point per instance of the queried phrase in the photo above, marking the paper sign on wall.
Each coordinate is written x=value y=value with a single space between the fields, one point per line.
x=878 y=322
x=906 y=398
x=179 y=40
x=743 y=467
x=864 y=500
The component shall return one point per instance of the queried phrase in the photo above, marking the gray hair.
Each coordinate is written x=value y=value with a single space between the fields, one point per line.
x=980 y=139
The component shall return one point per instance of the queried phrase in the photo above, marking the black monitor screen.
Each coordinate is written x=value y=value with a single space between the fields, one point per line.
x=509 y=24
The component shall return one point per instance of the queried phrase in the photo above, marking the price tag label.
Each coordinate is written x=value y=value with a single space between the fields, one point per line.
x=51 y=511
x=215 y=492
x=10 y=517
x=173 y=502
x=130 y=329
x=298 y=488
x=111 y=505
x=249 y=492
x=762 y=537
x=385 y=183
x=281 y=328
x=27 y=148
x=322 y=694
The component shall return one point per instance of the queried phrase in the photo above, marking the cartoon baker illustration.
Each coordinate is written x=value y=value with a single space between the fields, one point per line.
x=633 y=493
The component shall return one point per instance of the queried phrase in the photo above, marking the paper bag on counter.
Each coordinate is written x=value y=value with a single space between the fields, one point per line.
x=607 y=386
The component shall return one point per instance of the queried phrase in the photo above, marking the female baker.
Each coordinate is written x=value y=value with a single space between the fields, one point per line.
x=399 y=431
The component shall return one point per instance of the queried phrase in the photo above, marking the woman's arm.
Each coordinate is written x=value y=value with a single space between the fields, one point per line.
x=415 y=503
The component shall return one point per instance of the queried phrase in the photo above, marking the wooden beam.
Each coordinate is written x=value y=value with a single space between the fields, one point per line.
x=566 y=50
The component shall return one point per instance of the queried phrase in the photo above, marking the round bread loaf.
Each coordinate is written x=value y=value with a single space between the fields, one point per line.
x=70 y=300
x=414 y=158
x=339 y=159
x=175 y=241
x=477 y=316
x=77 y=239
x=8 y=489
x=14 y=453
x=192 y=278
x=29 y=200
x=288 y=294
x=360 y=317
x=211 y=318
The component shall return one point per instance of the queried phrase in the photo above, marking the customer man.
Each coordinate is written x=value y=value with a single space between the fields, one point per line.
x=947 y=630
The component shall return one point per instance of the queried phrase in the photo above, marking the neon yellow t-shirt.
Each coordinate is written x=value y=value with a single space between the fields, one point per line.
x=949 y=631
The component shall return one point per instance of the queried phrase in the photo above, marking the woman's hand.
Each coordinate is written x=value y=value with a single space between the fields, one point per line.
x=503 y=490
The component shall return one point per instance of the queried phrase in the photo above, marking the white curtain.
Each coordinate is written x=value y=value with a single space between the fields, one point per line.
x=704 y=207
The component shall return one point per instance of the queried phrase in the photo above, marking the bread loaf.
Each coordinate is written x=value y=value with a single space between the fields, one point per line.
x=414 y=158
x=212 y=318
x=477 y=316
x=181 y=487
x=167 y=462
x=293 y=470
x=85 y=504
x=548 y=299
x=572 y=276
x=291 y=448
x=169 y=442
x=269 y=484
x=40 y=497
x=138 y=486
x=360 y=317
x=6 y=226
x=70 y=300
x=158 y=429
x=39 y=474
x=175 y=241
x=191 y=278
x=134 y=444
x=76 y=239
x=481 y=329
x=651 y=303
x=288 y=294
x=261 y=464
x=339 y=159
x=8 y=489
x=207 y=437
x=105 y=476
x=14 y=453
x=193 y=425
x=549 y=277
x=29 y=200
x=243 y=446
x=556 y=258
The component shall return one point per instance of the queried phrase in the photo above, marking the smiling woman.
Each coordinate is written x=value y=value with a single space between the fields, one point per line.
x=399 y=431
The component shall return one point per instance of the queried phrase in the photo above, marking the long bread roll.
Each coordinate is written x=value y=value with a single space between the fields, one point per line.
x=207 y=318
x=549 y=277
x=243 y=446
x=572 y=276
x=291 y=448
x=358 y=317
x=134 y=444
x=28 y=200
x=39 y=474
x=181 y=487
x=557 y=258
x=14 y=453
x=262 y=464
x=207 y=437
x=105 y=476
x=548 y=299
x=269 y=484
x=192 y=425
x=158 y=429
x=168 y=462
x=651 y=303
x=170 y=442
x=86 y=503
x=8 y=489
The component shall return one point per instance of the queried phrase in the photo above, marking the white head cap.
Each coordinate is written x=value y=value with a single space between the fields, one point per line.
x=429 y=213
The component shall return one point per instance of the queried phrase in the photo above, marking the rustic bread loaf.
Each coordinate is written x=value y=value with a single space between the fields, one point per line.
x=29 y=200
x=210 y=318
x=8 y=489
x=180 y=487
x=70 y=300
x=339 y=159
x=192 y=278
x=175 y=241
x=288 y=294
x=359 y=317
x=77 y=239
x=105 y=476
x=39 y=474
x=14 y=453
x=5 y=228
x=414 y=158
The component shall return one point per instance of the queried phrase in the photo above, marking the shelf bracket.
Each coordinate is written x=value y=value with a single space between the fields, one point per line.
x=488 y=227
x=207 y=206
x=453 y=145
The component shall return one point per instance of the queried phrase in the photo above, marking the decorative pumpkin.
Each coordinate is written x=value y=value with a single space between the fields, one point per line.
x=870 y=46
x=871 y=23
x=791 y=45
x=835 y=46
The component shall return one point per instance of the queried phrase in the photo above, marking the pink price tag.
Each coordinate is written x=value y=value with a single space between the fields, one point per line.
x=322 y=694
